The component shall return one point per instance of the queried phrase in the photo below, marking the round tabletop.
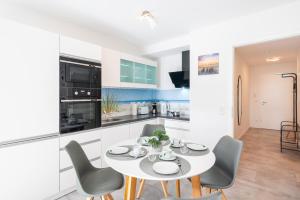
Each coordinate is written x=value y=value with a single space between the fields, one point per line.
x=199 y=164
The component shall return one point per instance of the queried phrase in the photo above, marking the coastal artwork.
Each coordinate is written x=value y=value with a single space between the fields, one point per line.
x=208 y=64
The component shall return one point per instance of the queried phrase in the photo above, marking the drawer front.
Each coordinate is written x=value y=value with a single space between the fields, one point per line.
x=177 y=124
x=80 y=137
x=136 y=129
x=175 y=133
x=68 y=177
x=91 y=148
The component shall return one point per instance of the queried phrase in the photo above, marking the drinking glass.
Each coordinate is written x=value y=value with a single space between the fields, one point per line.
x=152 y=157
x=183 y=148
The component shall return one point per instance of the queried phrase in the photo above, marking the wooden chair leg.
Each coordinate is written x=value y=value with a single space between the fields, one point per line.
x=141 y=188
x=178 y=189
x=223 y=195
x=208 y=190
x=164 y=186
x=109 y=197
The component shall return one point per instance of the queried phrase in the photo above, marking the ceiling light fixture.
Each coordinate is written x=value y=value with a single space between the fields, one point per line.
x=147 y=16
x=273 y=59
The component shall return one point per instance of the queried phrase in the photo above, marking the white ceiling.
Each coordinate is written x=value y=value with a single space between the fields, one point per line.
x=287 y=49
x=120 y=17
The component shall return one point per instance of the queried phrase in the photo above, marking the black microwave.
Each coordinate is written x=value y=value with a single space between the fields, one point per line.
x=79 y=73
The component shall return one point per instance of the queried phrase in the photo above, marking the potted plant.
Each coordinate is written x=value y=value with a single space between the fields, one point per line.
x=157 y=140
x=109 y=105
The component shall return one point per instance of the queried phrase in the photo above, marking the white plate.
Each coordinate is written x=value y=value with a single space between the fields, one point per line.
x=165 y=168
x=176 y=145
x=142 y=153
x=172 y=157
x=118 y=150
x=196 y=147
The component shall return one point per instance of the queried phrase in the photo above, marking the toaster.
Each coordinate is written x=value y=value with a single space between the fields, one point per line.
x=143 y=110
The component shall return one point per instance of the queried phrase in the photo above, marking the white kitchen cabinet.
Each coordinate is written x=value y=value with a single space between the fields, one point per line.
x=30 y=170
x=90 y=142
x=29 y=83
x=111 y=136
x=177 y=128
x=111 y=61
x=168 y=63
x=77 y=48
x=136 y=128
x=68 y=177
x=110 y=68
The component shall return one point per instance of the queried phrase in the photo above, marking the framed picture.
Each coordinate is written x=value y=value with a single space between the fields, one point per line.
x=208 y=64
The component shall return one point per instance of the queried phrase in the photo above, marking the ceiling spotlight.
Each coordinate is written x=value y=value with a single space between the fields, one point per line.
x=273 y=59
x=147 y=16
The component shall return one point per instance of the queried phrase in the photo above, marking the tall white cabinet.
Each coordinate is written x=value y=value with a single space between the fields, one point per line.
x=29 y=107
x=28 y=81
x=30 y=170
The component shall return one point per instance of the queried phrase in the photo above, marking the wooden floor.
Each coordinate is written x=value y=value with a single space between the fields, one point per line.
x=264 y=173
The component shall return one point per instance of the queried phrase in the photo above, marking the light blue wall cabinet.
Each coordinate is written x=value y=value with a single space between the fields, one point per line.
x=126 y=71
x=139 y=73
x=151 y=75
x=134 y=72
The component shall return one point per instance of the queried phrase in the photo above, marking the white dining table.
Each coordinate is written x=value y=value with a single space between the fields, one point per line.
x=132 y=171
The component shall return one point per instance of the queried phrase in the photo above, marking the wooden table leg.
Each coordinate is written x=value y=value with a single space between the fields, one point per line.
x=130 y=187
x=178 y=188
x=196 y=186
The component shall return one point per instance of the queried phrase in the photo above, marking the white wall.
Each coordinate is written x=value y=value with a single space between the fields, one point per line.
x=212 y=96
x=241 y=68
x=276 y=91
x=166 y=64
x=53 y=24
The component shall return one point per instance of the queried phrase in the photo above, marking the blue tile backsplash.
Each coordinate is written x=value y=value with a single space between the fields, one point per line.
x=126 y=95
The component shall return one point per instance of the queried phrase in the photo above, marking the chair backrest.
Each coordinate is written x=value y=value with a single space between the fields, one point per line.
x=213 y=196
x=228 y=152
x=79 y=159
x=150 y=128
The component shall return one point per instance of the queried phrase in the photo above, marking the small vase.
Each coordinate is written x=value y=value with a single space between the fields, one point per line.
x=157 y=149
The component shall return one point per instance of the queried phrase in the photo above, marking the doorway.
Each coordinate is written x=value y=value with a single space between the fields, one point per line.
x=262 y=97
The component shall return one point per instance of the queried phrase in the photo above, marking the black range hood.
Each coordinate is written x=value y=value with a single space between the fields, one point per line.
x=181 y=79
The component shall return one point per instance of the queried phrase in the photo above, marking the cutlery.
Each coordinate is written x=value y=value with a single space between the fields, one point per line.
x=179 y=165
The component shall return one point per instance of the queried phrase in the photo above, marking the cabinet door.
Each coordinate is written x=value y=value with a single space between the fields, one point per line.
x=28 y=81
x=151 y=75
x=30 y=171
x=139 y=73
x=111 y=136
x=110 y=68
x=136 y=129
x=81 y=49
x=126 y=72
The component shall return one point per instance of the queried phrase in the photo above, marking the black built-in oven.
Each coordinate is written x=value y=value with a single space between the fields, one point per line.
x=79 y=73
x=80 y=95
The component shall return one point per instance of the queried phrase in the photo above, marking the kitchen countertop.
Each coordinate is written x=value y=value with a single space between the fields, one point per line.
x=133 y=118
